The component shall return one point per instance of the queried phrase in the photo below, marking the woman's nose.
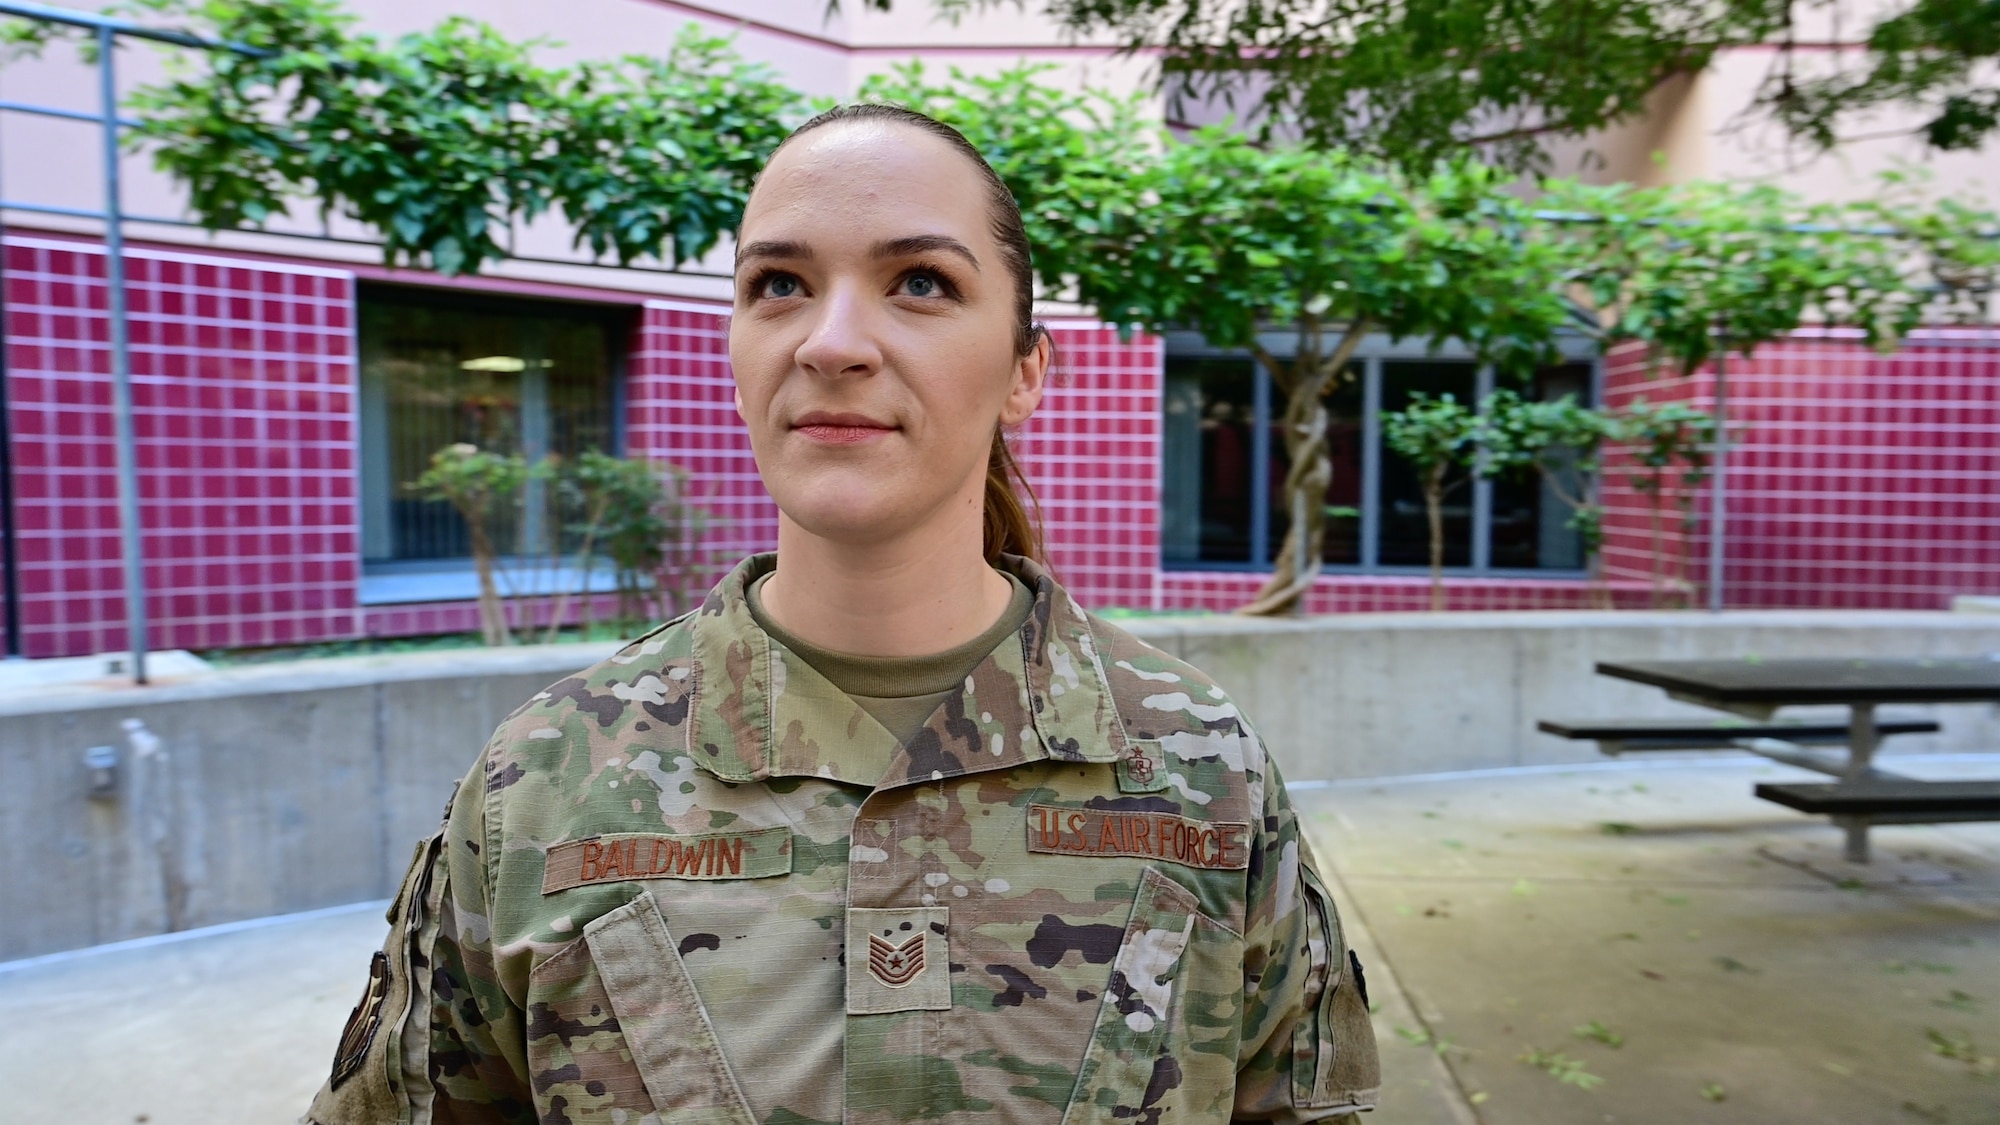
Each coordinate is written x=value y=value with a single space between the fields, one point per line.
x=842 y=340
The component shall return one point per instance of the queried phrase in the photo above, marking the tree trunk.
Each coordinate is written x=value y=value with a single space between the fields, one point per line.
x=1598 y=589
x=1311 y=469
x=1683 y=585
x=492 y=615
x=583 y=564
x=1434 y=510
x=1595 y=582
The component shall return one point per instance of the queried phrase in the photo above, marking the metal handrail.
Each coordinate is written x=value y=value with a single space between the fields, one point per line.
x=106 y=30
x=94 y=22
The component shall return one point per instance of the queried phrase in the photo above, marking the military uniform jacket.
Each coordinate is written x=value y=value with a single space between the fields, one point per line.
x=1078 y=895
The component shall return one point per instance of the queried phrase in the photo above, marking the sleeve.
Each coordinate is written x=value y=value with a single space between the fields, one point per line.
x=1308 y=1048
x=435 y=1038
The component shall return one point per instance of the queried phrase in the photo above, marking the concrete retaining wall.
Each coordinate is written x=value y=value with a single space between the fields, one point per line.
x=1378 y=695
x=287 y=788
x=275 y=789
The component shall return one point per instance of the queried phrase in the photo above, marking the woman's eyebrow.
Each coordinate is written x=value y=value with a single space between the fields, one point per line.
x=923 y=244
x=783 y=249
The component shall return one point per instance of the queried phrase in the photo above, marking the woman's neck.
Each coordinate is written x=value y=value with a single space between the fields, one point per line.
x=910 y=597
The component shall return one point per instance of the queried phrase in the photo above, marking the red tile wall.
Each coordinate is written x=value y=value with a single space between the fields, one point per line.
x=1092 y=454
x=1667 y=573
x=1859 y=480
x=680 y=407
x=243 y=384
x=1856 y=479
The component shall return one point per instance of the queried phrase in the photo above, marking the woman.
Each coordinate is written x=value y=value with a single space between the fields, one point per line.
x=888 y=829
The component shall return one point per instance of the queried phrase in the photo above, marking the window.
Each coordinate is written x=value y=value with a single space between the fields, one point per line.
x=511 y=377
x=1211 y=420
x=1224 y=463
x=1406 y=533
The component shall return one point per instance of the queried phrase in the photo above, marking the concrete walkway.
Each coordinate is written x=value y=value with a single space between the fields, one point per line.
x=1721 y=962
x=1650 y=943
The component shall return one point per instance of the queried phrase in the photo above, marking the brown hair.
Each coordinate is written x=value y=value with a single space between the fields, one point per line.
x=1010 y=526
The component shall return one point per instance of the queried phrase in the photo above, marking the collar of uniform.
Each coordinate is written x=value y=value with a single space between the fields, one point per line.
x=1067 y=690
x=745 y=725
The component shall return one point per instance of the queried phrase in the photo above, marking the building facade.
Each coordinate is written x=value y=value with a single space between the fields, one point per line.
x=287 y=386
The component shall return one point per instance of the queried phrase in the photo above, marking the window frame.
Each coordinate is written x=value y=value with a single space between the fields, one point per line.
x=1573 y=348
x=392 y=580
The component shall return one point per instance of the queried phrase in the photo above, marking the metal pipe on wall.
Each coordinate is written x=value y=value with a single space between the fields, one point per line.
x=10 y=555
x=1718 y=503
x=121 y=361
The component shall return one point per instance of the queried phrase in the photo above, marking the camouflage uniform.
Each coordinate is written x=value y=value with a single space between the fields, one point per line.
x=1079 y=894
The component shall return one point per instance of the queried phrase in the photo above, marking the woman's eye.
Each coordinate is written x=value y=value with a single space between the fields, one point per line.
x=922 y=284
x=779 y=285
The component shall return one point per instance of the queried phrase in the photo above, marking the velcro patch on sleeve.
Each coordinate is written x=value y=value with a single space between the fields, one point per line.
x=1217 y=845
x=626 y=857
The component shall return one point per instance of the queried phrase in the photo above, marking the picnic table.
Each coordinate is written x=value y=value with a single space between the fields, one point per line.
x=1751 y=691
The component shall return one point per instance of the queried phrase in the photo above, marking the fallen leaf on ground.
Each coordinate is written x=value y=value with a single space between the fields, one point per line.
x=1598 y=1033
x=1562 y=1068
x=1959 y=1001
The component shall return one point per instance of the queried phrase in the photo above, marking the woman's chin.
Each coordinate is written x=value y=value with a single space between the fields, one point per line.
x=849 y=521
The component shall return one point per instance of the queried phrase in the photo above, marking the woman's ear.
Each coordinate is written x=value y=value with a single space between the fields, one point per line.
x=1031 y=375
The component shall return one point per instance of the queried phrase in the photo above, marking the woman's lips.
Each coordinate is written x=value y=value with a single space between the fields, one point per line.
x=838 y=429
x=843 y=435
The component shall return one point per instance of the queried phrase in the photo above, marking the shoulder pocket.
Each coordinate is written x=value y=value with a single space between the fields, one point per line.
x=1334 y=1061
x=367 y=1082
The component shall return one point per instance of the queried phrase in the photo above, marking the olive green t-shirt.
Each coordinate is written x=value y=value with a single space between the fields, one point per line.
x=900 y=692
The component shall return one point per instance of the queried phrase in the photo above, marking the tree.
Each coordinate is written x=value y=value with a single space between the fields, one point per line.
x=1436 y=435
x=1243 y=238
x=1422 y=80
x=1559 y=441
x=653 y=538
x=594 y=485
x=1690 y=269
x=443 y=141
x=1218 y=234
x=1664 y=438
x=477 y=484
x=1936 y=56
x=1695 y=272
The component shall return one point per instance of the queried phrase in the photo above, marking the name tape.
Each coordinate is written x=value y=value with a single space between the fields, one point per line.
x=1216 y=845
x=625 y=857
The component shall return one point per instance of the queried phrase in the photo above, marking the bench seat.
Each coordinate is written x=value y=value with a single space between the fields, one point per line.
x=1886 y=797
x=1721 y=732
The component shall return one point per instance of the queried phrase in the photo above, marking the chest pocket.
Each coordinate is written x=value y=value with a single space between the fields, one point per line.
x=1162 y=1047
x=617 y=1026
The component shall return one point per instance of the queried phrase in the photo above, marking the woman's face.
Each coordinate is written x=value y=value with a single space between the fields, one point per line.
x=873 y=335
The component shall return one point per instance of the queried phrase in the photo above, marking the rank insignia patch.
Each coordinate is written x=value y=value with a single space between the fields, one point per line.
x=362 y=1024
x=895 y=965
x=898 y=959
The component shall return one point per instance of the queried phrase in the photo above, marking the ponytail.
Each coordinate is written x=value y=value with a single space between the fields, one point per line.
x=1010 y=529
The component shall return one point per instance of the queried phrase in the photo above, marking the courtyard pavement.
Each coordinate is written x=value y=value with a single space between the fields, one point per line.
x=1632 y=943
